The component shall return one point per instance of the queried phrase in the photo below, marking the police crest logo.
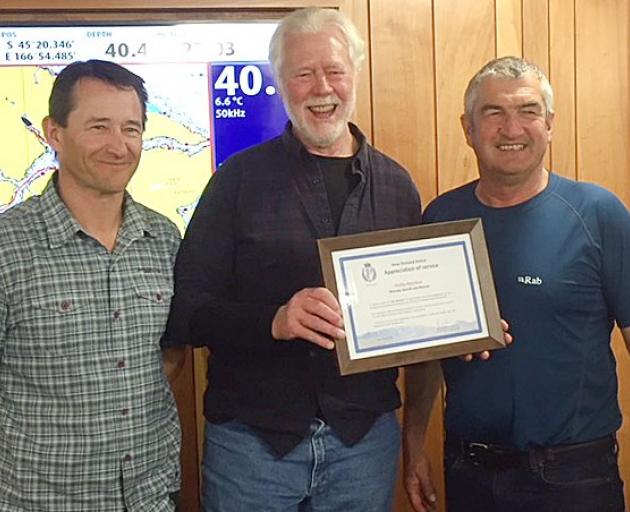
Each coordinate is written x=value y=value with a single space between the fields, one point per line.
x=368 y=273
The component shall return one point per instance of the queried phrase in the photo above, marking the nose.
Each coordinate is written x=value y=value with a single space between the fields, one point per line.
x=322 y=86
x=116 y=143
x=511 y=125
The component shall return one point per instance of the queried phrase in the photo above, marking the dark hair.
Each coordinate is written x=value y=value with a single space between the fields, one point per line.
x=61 y=101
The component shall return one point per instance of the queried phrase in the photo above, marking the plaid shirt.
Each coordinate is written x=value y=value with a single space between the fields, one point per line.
x=87 y=418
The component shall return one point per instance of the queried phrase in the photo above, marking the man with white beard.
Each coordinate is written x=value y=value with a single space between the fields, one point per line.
x=284 y=430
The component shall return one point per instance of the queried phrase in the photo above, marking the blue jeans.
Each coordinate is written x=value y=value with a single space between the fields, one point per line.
x=572 y=482
x=242 y=474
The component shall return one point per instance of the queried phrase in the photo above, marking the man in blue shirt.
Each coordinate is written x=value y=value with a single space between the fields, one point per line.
x=534 y=427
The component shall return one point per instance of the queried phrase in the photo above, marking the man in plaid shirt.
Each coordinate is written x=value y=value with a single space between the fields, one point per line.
x=87 y=419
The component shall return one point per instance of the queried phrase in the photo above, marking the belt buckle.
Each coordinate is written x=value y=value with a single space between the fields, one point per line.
x=474 y=452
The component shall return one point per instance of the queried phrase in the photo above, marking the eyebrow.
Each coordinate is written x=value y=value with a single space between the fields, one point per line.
x=529 y=104
x=486 y=108
x=532 y=104
x=98 y=120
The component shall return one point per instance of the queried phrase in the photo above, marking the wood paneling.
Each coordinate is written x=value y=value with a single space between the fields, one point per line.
x=464 y=41
x=603 y=132
x=536 y=39
x=357 y=10
x=402 y=83
x=509 y=27
x=603 y=93
x=200 y=378
x=404 y=127
x=183 y=387
x=562 y=76
x=536 y=32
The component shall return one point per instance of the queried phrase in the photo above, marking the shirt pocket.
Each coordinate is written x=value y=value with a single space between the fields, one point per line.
x=51 y=321
x=153 y=293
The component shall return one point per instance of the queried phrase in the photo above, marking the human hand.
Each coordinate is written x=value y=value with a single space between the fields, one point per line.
x=485 y=355
x=418 y=482
x=312 y=314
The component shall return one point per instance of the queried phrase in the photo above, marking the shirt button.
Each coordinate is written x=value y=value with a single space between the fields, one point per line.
x=121 y=363
x=65 y=305
x=127 y=458
x=325 y=220
x=158 y=297
x=312 y=353
x=315 y=181
x=124 y=412
x=116 y=315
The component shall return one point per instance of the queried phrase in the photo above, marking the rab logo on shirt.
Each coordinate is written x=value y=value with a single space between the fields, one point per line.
x=536 y=281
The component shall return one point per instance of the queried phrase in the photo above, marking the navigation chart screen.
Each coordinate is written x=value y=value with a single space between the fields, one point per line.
x=211 y=94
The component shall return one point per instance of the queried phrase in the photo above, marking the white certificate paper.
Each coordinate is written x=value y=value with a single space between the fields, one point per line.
x=409 y=295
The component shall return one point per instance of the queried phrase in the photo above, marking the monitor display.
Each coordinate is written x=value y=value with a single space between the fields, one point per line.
x=211 y=94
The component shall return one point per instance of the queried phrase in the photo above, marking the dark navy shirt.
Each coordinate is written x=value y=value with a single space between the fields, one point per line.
x=561 y=263
x=250 y=246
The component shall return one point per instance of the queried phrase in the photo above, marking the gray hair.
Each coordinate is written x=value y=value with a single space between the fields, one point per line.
x=313 y=20
x=507 y=67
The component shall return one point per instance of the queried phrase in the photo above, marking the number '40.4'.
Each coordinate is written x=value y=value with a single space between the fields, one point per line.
x=122 y=50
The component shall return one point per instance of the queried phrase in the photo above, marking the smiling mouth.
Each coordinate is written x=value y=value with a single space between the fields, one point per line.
x=323 y=111
x=116 y=164
x=511 y=147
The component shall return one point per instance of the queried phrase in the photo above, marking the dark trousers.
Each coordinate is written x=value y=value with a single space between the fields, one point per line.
x=569 y=478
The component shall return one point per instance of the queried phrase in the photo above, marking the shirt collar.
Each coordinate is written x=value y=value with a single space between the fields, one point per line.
x=61 y=226
x=297 y=149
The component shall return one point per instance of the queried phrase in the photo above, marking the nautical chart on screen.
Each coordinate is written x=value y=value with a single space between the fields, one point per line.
x=211 y=94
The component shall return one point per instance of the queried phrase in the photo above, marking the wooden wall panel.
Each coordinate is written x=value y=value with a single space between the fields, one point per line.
x=402 y=80
x=404 y=126
x=562 y=77
x=603 y=128
x=464 y=41
x=536 y=39
x=603 y=93
x=623 y=436
x=536 y=32
x=509 y=27
x=357 y=10
x=183 y=387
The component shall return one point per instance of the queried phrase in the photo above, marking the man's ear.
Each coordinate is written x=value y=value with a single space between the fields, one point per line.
x=52 y=132
x=467 y=127
x=549 y=122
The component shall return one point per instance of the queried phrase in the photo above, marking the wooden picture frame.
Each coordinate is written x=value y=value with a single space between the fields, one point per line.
x=412 y=294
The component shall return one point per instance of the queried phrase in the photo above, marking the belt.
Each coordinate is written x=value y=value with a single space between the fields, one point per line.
x=495 y=456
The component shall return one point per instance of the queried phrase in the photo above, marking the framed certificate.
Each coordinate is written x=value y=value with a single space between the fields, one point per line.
x=412 y=294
